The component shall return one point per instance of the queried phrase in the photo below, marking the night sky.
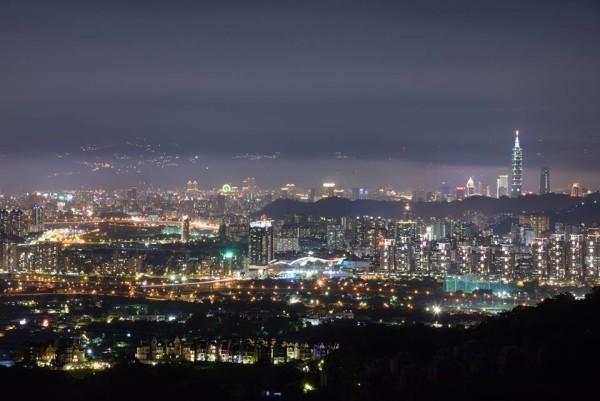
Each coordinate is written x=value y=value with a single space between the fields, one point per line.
x=430 y=87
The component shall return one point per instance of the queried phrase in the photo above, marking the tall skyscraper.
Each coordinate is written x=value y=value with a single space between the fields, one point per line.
x=216 y=205
x=470 y=187
x=132 y=201
x=576 y=190
x=37 y=219
x=329 y=189
x=335 y=237
x=502 y=186
x=545 y=181
x=249 y=187
x=516 y=187
x=185 y=229
x=192 y=187
x=4 y=221
x=260 y=242
x=12 y=223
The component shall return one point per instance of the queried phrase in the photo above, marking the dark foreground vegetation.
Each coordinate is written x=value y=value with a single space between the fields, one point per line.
x=549 y=352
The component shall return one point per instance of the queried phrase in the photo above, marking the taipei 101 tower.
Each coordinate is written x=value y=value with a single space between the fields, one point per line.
x=516 y=183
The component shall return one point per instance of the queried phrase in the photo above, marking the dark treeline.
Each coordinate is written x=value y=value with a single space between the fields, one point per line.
x=548 y=352
x=163 y=382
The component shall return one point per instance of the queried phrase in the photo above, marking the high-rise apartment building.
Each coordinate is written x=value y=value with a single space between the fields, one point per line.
x=539 y=222
x=37 y=219
x=12 y=222
x=185 y=229
x=260 y=242
x=502 y=186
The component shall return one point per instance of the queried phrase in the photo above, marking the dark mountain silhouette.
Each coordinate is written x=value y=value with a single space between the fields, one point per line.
x=570 y=208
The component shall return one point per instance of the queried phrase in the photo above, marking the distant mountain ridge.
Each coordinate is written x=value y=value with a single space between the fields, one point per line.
x=550 y=204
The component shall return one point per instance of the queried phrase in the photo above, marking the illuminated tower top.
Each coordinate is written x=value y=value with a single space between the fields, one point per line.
x=516 y=185
x=470 y=187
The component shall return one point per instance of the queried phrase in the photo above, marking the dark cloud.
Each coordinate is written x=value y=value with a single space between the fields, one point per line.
x=434 y=81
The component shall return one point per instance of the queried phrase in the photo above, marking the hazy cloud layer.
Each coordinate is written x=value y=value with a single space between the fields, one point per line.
x=428 y=82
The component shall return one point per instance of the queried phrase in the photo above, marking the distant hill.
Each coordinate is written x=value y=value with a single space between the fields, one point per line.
x=339 y=207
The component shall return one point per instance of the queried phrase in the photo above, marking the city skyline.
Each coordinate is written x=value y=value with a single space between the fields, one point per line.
x=194 y=167
x=299 y=199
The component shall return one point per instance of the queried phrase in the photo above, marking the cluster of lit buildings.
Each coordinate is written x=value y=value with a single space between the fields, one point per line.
x=530 y=251
x=185 y=233
x=243 y=351
x=65 y=354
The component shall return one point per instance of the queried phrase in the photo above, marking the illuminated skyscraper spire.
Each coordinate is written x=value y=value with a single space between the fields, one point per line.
x=516 y=185
x=470 y=187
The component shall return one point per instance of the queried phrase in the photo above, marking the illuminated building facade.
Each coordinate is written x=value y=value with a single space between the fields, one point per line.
x=470 y=187
x=37 y=220
x=544 y=181
x=287 y=239
x=260 y=242
x=540 y=223
x=516 y=186
x=185 y=229
x=12 y=222
x=335 y=237
x=576 y=190
x=502 y=186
